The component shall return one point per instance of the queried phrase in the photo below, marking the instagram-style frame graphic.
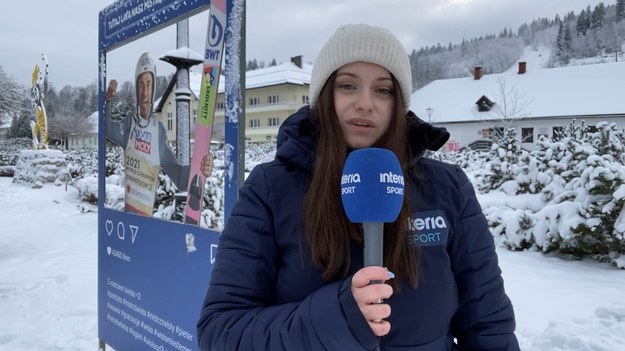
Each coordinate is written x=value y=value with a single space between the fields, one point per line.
x=153 y=273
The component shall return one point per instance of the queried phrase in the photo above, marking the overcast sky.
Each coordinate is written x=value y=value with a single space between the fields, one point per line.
x=67 y=30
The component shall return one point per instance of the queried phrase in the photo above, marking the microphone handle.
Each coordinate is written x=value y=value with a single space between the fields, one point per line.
x=374 y=243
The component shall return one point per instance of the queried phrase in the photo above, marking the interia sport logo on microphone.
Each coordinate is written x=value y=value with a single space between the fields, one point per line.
x=395 y=181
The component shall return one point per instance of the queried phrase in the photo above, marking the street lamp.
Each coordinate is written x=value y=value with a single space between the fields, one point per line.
x=429 y=111
x=183 y=59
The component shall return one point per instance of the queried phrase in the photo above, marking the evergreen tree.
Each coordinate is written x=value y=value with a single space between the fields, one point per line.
x=597 y=17
x=564 y=43
x=20 y=123
x=252 y=65
x=581 y=26
x=505 y=152
x=620 y=10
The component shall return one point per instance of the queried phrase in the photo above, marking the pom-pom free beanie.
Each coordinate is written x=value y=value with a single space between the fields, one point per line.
x=362 y=42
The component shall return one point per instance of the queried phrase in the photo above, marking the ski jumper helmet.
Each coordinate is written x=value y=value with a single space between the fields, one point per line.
x=145 y=64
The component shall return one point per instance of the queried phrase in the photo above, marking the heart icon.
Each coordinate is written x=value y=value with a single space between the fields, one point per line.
x=108 y=249
x=109 y=226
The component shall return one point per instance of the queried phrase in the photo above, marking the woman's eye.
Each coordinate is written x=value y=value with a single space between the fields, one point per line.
x=385 y=91
x=346 y=86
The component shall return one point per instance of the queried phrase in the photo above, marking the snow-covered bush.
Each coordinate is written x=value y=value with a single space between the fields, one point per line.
x=581 y=178
x=504 y=164
x=36 y=167
x=567 y=196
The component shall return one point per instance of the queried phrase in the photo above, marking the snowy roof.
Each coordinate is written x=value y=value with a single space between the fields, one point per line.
x=585 y=90
x=283 y=73
x=93 y=119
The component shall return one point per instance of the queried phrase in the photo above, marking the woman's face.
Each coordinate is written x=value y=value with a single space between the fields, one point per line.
x=364 y=103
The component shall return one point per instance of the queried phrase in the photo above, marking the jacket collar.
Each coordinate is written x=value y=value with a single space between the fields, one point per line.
x=297 y=138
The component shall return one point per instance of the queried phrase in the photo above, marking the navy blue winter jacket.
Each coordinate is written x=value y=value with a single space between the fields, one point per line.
x=265 y=294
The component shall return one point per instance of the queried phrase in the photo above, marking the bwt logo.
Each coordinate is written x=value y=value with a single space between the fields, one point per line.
x=212 y=54
x=216 y=31
x=427 y=223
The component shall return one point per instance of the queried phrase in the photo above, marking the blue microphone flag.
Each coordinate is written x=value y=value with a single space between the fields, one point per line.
x=372 y=186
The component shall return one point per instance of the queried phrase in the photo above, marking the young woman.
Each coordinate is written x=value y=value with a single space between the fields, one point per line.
x=289 y=271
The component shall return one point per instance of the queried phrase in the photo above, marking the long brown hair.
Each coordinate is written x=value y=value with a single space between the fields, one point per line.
x=328 y=229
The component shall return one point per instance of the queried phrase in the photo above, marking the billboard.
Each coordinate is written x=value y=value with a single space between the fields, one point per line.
x=153 y=272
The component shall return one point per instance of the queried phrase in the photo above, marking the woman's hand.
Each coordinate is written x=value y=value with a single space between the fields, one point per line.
x=111 y=91
x=369 y=297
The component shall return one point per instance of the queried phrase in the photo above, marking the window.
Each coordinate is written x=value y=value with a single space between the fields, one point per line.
x=221 y=105
x=495 y=133
x=272 y=99
x=254 y=101
x=274 y=121
x=305 y=100
x=484 y=104
x=170 y=121
x=527 y=135
x=254 y=123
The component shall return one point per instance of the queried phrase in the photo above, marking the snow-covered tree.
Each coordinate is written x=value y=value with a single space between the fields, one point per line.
x=597 y=16
x=583 y=23
x=620 y=10
x=564 y=43
x=506 y=151
x=11 y=94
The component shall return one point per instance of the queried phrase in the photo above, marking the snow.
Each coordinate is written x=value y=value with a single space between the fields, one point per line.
x=48 y=279
x=286 y=72
x=183 y=53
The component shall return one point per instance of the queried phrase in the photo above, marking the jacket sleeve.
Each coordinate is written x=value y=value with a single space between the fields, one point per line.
x=485 y=317
x=240 y=311
x=116 y=131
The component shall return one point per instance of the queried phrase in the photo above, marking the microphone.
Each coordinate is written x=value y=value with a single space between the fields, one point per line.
x=372 y=192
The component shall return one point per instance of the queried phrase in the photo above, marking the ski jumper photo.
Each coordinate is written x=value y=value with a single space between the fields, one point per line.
x=144 y=141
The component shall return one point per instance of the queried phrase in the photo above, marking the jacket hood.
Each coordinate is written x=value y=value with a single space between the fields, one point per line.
x=297 y=138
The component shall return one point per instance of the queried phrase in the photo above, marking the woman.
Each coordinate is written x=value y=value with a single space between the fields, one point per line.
x=289 y=274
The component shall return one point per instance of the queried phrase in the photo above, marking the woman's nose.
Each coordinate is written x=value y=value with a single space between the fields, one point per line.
x=364 y=102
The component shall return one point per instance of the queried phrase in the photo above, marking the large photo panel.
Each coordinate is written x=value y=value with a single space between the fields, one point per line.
x=154 y=259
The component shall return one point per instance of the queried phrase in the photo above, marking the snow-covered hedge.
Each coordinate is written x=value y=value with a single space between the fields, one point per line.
x=567 y=196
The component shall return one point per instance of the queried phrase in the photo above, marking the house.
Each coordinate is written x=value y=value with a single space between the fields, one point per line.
x=88 y=139
x=533 y=100
x=272 y=94
x=5 y=126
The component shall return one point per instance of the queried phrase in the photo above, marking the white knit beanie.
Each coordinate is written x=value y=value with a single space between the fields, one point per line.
x=361 y=42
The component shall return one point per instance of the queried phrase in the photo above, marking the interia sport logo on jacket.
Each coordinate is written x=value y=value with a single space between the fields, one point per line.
x=428 y=229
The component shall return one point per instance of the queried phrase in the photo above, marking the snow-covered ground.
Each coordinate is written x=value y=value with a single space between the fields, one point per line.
x=48 y=287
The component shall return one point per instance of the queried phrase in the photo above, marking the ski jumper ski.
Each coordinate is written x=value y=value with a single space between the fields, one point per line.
x=208 y=96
